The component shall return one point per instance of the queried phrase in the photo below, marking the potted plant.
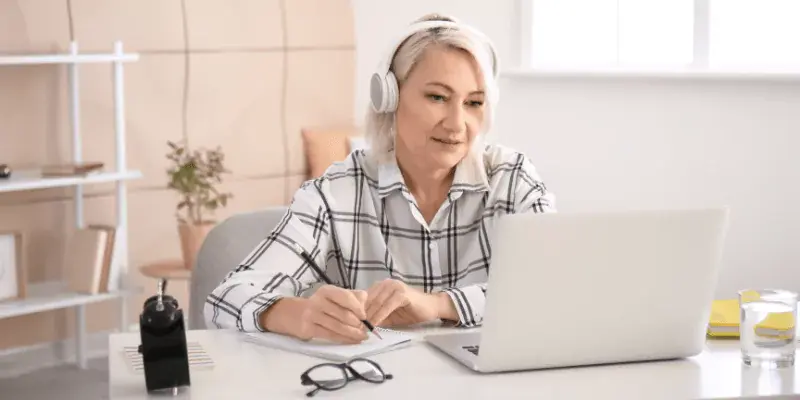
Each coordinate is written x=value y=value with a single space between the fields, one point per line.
x=195 y=175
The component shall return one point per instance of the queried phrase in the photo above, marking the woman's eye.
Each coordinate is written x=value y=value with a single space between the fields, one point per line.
x=436 y=97
x=475 y=103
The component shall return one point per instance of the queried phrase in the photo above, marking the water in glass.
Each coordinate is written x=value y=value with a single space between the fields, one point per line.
x=765 y=346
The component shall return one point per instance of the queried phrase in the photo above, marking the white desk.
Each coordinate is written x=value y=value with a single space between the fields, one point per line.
x=248 y=371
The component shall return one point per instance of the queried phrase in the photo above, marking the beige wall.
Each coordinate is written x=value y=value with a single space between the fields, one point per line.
x=244 y=74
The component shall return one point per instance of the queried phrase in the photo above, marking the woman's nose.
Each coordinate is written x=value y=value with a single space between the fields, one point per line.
x=455 y=119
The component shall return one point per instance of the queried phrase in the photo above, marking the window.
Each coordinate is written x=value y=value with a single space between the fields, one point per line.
x=701 y=34
x=758 y=34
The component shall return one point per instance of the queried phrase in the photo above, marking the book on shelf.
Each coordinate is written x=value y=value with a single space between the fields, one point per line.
x=71 y=169
x=89 y=258
x=108 y=253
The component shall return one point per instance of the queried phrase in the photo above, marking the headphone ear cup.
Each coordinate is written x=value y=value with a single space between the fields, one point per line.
x=377 y=92
x=392 y=92
x=383 y=92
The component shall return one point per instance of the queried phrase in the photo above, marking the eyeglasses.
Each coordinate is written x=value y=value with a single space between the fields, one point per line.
x=331 y=376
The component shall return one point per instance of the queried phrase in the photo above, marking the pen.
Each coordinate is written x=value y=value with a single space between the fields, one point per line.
x=327 y=280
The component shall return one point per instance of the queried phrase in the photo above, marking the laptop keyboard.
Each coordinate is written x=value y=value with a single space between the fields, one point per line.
x=472 y=349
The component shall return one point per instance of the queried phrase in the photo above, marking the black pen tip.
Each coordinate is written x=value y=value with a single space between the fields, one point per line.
x=371 y=328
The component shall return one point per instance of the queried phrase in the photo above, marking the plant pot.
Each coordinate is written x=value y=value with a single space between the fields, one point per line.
x=192 y=237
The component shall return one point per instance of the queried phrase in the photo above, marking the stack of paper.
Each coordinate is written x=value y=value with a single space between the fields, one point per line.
x=198 y=357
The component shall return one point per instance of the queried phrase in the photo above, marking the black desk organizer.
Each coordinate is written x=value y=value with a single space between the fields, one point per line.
x=163 y=334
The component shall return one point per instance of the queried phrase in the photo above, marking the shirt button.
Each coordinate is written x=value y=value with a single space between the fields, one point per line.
x=432 y=245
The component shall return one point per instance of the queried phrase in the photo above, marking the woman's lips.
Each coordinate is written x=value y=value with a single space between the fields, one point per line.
x=447 y=141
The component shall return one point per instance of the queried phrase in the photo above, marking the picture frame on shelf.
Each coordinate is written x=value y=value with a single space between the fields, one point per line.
x=12 y=267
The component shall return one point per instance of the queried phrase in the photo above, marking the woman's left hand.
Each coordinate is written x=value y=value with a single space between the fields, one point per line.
x=393 y=303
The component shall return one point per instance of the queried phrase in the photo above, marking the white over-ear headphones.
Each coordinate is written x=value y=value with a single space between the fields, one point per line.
x=384 y=91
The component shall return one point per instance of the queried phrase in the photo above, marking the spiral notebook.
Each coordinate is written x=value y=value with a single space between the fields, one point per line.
x=331 y=351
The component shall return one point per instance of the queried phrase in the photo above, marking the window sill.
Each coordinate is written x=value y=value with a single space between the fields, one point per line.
x=688 y=74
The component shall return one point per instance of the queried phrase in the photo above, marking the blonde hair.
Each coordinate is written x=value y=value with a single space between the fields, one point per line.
x=380 y=126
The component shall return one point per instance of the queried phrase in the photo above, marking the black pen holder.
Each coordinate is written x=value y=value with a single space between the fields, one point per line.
x=164 y=349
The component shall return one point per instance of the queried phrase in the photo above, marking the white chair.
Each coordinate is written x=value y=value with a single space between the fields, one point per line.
x=223 y=249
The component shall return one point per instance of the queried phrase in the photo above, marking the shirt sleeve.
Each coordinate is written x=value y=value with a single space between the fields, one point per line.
x=273 y=270
x=469 y=302
x=529 y=194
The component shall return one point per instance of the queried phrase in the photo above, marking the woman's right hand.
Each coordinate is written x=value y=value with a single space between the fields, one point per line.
x=331 y=313
x=335 y=314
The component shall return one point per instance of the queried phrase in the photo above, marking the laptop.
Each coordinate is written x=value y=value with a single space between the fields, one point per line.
x=578 y=289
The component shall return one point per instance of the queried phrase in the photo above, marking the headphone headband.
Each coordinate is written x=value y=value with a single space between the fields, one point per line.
x=384 y=92
x=386 y=63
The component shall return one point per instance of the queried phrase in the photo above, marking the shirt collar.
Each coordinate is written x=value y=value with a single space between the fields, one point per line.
x=470 y=176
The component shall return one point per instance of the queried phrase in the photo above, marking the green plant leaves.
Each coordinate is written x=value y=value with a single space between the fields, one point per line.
x=195 y=176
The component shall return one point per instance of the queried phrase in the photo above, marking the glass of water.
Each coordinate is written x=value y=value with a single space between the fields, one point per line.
x=767 y=327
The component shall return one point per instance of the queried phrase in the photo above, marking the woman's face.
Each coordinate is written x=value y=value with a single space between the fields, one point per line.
x=441 y=108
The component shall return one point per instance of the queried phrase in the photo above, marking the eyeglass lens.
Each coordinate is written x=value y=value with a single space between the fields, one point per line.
x=328 y=376
x=368 y=370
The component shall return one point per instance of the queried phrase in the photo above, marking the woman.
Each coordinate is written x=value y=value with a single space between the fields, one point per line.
x=400 y=228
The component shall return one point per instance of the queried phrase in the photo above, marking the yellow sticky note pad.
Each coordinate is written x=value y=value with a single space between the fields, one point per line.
x=726 y=317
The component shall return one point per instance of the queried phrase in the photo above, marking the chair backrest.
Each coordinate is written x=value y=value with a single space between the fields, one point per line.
x=223 y=249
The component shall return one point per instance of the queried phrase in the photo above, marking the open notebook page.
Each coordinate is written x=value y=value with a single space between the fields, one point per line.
x=332 y=351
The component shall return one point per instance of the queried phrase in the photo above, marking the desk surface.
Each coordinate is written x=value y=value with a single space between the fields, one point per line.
x=244 y=370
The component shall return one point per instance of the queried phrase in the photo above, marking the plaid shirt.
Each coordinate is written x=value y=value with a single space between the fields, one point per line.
x=362 y=225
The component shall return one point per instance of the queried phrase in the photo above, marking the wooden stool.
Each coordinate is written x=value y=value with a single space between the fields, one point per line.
x=166 y=269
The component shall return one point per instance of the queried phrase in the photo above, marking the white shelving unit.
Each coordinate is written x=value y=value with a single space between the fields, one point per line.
x=54 y=295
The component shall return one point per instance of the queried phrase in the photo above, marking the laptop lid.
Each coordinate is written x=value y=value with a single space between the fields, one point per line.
x=569 y=289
